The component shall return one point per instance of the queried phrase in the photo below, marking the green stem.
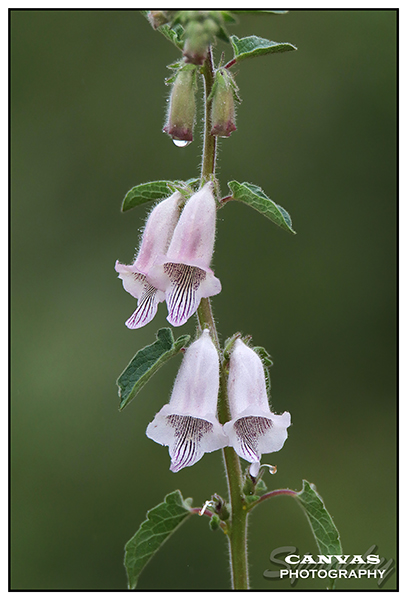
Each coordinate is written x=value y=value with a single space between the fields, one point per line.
x=209 y=146
x=237 y=530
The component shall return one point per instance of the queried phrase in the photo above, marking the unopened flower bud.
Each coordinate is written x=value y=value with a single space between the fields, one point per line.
x=181 y=112
x=196 y=43
x=223 y=104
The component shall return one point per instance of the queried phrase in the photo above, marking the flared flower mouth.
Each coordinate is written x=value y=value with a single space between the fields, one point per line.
x=184 y=286
x=248 y=431
x=183 y=296
x=252 y=435
x=188 y=434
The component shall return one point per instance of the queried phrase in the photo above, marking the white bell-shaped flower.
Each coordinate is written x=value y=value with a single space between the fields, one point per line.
x=156 y=237
x=183 y=274
x=188 y=425
x=253 y=430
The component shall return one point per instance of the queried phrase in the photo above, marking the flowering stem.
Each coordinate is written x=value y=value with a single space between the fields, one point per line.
x=237 y=527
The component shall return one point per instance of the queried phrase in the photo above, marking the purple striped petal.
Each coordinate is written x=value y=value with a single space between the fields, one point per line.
x=248 y=431
x=183 y=295
x=146 y=307
x=187 y=448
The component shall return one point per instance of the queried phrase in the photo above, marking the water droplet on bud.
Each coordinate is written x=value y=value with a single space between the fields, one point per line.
x=181 y=143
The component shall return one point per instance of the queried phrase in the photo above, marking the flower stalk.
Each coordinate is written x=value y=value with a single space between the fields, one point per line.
x=237 y=530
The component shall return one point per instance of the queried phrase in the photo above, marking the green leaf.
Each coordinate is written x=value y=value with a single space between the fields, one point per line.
x=228 y=17
x=322 y=526
x=252 y=46
x=161 y=522
x=257 y=199
x=145 y=192
x=146 y=362
x=173 y=34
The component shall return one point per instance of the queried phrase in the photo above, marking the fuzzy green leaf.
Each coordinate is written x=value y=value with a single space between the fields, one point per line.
x=161 y=522
x=322 y=526
x=255 y=197
x=252 y=46
x=145 y=192
x=146 y=362
x=173 y=34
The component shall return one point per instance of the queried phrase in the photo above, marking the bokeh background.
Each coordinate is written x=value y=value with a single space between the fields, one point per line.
x=317 y=131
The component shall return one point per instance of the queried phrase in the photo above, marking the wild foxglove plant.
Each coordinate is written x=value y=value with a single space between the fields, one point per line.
x=220 y=396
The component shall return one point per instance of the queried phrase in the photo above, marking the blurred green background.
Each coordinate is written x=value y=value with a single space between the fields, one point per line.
x=317 y=131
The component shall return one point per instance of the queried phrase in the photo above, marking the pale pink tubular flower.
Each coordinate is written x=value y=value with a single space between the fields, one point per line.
x=254 y=430
x=183 y=273
x=188 y=425
x=154 y=243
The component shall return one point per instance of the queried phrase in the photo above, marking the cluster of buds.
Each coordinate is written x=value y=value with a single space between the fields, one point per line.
x=173 y=260
x=199 y=27
x=189 y=425
x=181 y=112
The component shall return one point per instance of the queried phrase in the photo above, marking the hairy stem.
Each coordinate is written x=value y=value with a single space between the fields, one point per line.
x=209 y=146
x=237 y=530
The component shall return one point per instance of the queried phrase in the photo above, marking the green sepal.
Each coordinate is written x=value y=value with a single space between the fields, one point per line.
x=264 y=355
x=248 y=485
x=255 y=197
x=146 y=362
x=214 y=522
x=325 y=533
x=260 y=488
x=252 y=46
x=161 y=522
x=267 y=362
x=251 y=499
